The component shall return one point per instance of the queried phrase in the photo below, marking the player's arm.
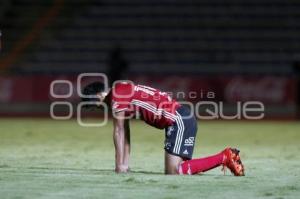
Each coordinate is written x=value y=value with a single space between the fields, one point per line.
x=119 y=141
x=126 y=144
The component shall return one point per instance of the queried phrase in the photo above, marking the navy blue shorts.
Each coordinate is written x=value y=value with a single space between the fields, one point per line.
x=180 y=137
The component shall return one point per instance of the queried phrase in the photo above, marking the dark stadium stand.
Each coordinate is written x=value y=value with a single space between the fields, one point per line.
x=159 y=36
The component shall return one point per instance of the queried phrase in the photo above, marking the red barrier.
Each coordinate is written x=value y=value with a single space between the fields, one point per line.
x=273 y=91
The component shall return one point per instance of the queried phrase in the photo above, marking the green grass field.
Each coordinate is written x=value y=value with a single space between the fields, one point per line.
x=41 y=158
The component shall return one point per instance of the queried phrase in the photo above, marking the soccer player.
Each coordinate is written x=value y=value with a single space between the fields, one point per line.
x=127 y=100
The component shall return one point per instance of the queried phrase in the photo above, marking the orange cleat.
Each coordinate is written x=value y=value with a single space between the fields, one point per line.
x=233 y=162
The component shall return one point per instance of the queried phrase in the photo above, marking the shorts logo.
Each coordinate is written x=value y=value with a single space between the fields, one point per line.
x=189 y=141
x=185 y=152
x=170 y=129
x=168 y=145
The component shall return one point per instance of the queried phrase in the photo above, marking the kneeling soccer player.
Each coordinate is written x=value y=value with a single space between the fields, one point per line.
x=158 y=109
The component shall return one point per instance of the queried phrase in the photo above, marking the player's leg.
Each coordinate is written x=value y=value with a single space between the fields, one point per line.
x=179 y=146
x=199 y=165
x=172 y=163
x=179 y=142
x=228 y=158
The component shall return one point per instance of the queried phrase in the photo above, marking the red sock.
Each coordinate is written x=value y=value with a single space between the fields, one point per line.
x=201 y=165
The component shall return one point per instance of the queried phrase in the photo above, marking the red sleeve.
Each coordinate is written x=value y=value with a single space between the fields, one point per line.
x=122 y=94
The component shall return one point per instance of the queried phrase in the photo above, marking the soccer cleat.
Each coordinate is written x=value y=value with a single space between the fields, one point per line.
x=233 y=162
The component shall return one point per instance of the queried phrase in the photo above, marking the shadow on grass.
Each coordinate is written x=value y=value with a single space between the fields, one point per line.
x=104 y=171
x=78 y=170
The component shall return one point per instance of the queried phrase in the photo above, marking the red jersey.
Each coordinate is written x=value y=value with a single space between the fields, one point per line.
x=155 y=107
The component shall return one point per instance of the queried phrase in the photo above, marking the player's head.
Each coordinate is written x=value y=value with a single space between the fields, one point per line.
x=96 y=89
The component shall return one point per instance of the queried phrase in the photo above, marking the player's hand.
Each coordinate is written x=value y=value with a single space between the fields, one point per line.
x=121 y=169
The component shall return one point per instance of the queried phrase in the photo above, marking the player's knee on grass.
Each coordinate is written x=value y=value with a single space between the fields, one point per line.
x=171 y=170
x=172 y=163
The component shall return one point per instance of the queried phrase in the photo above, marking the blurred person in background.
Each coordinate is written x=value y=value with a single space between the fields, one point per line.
x=117 y=65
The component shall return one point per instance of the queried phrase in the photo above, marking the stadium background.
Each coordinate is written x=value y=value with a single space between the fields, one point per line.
x=241 y=50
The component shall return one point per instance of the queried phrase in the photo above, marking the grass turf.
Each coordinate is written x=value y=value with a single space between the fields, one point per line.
x=41 y=158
